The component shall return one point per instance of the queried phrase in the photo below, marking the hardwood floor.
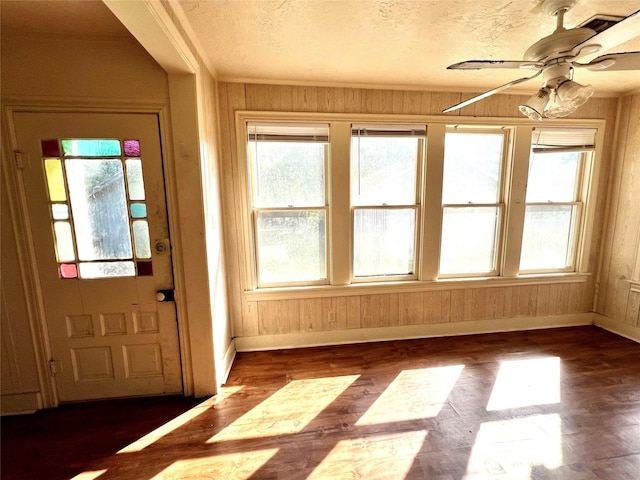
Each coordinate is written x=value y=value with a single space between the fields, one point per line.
x=557 y=404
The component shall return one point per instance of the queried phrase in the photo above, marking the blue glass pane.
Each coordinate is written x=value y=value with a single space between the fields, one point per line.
x=91 y=147
x=138 y=210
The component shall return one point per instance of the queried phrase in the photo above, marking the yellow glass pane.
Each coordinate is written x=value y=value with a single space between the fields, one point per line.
x=55 y=181
x=64 y=242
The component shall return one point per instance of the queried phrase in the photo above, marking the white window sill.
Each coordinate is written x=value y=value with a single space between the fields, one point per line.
x=292 y=293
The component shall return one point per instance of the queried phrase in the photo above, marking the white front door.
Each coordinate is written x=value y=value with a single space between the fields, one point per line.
x=94 y=192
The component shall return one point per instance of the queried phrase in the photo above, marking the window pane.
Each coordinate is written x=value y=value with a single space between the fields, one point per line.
x=68 y=270
x=383 y=242
x=107 y=269
x=59 y=211
x=55 y=182
x=291 y=246
x=552 y=177
x=288 y=174
x=468 y=240
x=135 y=182
x=99 y=206
x=383 y=170
x=138 y=210
x=131 y=148
x=471 y=168
x=91 y=147
x=141 y=239
x=64 y=242
x=547 y=239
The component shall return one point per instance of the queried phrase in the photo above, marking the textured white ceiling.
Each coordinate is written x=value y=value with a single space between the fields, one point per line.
x=383 y=43
x=386 y=42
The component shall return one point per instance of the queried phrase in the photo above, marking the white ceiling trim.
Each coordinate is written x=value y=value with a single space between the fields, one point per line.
x=150 y=24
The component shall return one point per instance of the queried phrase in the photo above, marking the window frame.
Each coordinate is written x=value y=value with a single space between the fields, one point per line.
x=585 y=158
x=255 y=211
x=500 y=203
x=416 y=206
x=339 y=224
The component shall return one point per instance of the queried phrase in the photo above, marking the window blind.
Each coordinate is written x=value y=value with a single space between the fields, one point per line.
x=398 y=130
x=288 y=132
x=556 y=139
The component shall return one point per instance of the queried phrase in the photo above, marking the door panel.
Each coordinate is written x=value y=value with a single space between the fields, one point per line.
x=109 y=336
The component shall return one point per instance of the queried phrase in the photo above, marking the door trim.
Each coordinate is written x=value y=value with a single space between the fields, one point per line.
x=25 y=243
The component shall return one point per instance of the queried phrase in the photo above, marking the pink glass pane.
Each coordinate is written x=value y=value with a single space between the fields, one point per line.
x=50 y=148
x=131 y=148
x=68 y=270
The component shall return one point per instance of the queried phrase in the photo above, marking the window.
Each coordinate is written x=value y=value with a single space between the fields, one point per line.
x=338 y=201
x=288 y=200
x=97 y=206
x=384 y=173
x=471 y=202
x=554 y=196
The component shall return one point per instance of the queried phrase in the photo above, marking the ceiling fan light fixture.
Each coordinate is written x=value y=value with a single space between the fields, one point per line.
x=535 y=106
x=568 y=96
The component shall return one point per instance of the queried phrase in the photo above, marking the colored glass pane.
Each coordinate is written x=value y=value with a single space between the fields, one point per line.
x=145 y=269
x=50 y=148
x=135 y=182
x=141 y=239
x=68 y=270
x=59 y=211
x=55 y=181
x=64 y=242
x=91 y=147
x=131 y=148
x=107 y=269
x=138 y=210
x=100 y=216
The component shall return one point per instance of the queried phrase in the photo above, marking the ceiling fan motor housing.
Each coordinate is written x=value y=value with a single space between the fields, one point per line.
x=557 y=45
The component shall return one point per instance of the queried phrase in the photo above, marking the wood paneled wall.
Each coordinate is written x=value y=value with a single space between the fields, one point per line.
x=619 y=297
x=254 y=318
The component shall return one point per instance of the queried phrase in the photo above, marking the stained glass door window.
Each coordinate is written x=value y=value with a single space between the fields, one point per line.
x=97 y=205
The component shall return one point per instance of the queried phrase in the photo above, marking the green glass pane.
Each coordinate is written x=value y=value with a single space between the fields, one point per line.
x=91 y=147
x=64 y=242
x=55 y=181
x=59 y=211
x=141 y=239
x=138 y=210
x=100 y=211
x=135 y=182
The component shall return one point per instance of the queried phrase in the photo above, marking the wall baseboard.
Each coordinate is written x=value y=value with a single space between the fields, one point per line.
x=20 y=403
x=617 y=327
x=405 y=332
x=229 y=357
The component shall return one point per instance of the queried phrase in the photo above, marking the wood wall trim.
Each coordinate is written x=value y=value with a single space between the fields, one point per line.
x=363 y=335
x=379 y=288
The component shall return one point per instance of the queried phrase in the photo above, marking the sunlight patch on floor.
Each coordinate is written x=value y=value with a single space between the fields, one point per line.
x=380 y=456
x=518 y=446
x=287 y=411
x=412 y=395
x=168 y=427
x=230 y=466
x=89 y=475
x=524 y=383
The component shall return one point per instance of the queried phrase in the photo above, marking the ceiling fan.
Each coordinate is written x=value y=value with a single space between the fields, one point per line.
x=556 y=56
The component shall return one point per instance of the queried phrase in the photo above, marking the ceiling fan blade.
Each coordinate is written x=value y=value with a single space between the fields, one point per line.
x=616 y=34
x=614 y=61
x=479 y=64
x=489 y=93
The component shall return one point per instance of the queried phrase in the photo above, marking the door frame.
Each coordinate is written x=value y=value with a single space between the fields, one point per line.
x=25 y=244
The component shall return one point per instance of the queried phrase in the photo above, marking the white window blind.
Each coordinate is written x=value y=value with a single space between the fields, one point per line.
x=544 y=140
x=283 y=132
